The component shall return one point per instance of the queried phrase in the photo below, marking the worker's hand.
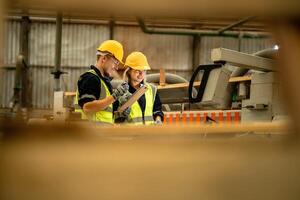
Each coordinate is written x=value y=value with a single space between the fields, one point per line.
x=120 y=90
x=123 y=99
x=158 y=122
x=123 y=114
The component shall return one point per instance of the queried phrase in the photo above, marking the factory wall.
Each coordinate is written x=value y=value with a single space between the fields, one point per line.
x=79 y=42
x=170 y=52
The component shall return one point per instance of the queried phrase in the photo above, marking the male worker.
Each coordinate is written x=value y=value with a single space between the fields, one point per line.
x=94 y=96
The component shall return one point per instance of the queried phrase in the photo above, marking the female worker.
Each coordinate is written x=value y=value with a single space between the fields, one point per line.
x=148 y=108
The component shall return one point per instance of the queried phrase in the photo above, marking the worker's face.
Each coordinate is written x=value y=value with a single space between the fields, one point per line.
x=110 y=65
x=137 y=75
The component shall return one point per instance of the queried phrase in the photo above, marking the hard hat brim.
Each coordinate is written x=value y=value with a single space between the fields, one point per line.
x=99 y=53
x=139 y=67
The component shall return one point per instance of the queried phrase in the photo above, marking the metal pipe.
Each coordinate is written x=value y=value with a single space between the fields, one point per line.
x=58 y=51
x=174 y=31
x=230 y=26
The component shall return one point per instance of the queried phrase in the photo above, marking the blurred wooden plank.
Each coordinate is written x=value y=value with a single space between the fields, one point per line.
x=177 y=86
x=145 y=168
x=171 y=9
x=53 y=162
x=239 y=79
x=288 y=36
x=196 y=129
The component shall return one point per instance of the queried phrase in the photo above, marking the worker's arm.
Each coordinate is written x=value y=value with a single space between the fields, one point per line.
x=88 y=88
x=98 y=105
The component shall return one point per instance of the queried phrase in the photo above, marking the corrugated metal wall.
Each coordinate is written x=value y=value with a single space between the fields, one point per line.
x=254 y=45
x=246 y=45
x=7 y=86
x=173 y=53
x=78 y=43
x=209 y=43
x=42 y=44
x=169 y=52
x=43 y=83
x=78 y=52
x=42 y=87
x=11 y=43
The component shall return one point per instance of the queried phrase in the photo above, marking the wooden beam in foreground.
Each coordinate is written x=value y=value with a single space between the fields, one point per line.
x=278 y=128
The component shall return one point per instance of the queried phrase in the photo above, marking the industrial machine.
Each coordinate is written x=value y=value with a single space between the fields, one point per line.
x=240 y=80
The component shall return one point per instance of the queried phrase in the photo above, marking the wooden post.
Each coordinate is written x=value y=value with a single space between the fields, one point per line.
x=162 y=77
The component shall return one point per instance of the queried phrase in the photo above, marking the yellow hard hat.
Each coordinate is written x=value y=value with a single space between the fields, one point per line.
x=138 y=61
x=114 y=47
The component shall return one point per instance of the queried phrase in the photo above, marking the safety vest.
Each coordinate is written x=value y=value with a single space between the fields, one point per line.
x=103 y=116
x=136 y=115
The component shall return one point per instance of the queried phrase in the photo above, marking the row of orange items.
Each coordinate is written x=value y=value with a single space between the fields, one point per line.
x=196 y=117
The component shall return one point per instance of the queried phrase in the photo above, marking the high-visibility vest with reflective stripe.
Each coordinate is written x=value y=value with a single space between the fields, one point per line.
x=104 y=116
x=136 y=114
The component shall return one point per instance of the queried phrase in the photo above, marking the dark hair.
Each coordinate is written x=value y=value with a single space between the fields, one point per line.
x=127 y=75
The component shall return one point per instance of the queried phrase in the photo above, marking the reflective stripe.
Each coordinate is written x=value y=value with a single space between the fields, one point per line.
x=87 y=96
x=103 y=94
